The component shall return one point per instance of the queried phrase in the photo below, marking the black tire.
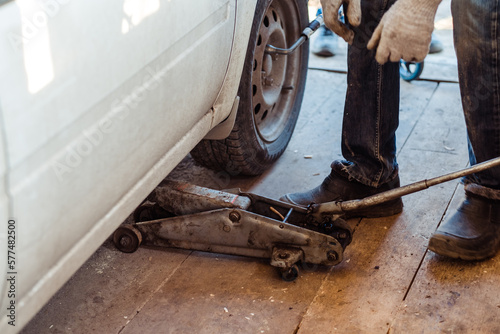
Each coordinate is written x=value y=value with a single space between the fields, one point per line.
x=271 y=92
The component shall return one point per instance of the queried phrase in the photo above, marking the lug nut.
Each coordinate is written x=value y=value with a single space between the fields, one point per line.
x=268 y=81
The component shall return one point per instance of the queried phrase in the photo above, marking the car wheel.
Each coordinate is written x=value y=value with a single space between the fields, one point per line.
x=271 y=92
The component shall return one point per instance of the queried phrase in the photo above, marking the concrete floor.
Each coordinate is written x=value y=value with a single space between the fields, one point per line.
x=387 y=283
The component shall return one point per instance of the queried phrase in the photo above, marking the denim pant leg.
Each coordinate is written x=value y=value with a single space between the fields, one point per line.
x=371 y=113
x=476 y=37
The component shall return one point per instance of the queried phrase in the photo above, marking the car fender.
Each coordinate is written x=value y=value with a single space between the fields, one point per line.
x=225 y=107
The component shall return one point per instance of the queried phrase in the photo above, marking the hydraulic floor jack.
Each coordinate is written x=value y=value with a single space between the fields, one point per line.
x=185 y=216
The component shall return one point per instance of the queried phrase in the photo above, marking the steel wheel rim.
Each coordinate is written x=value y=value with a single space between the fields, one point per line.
x=275 y=77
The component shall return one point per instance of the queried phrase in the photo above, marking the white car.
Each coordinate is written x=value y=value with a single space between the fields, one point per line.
x=100 y=100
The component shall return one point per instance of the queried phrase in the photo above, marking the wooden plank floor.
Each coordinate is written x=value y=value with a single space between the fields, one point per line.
x=388 y=282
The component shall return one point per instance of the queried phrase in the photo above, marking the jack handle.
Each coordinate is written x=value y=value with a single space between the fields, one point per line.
x=339 y=207
x=306 y=34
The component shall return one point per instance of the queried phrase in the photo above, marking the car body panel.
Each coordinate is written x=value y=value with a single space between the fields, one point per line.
x=92 y=125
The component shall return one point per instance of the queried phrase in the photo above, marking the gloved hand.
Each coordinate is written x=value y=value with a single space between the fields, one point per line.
x=331 y=16
x=405 y=31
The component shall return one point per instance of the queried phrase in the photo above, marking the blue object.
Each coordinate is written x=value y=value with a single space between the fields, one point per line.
x=409 y=70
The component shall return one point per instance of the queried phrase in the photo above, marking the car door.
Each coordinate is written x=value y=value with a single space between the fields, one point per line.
x=93 y=94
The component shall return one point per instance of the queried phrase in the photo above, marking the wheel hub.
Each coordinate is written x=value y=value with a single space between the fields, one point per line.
x=274 y=78
x=273 y=67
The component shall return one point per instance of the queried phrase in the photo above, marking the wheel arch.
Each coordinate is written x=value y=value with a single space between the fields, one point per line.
x=225 y=106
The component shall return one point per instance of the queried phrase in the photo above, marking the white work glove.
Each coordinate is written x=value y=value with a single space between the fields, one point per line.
x=405 y=31
x=331 y=16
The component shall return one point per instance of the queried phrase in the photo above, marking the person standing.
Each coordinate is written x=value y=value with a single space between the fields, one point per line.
x=380 y=33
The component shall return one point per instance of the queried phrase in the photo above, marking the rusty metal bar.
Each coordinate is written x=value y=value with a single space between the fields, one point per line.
x=182 y=198
x=353 y=205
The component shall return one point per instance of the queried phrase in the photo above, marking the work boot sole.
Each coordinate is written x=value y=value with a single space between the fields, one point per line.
x=442 y=245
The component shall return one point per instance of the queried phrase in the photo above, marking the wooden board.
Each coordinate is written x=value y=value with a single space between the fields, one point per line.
x=107 y=291
x=452 y=296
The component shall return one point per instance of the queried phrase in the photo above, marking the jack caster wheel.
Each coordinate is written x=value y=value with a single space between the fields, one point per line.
x=144 y=212
x=127 y=238
x=290 y=274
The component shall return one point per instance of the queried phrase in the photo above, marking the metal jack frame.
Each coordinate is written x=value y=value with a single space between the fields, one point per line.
x=182 y=215
x=234 y=223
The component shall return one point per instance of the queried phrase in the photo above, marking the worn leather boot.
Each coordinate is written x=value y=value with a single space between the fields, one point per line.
x=337 y=187
x=472 y=233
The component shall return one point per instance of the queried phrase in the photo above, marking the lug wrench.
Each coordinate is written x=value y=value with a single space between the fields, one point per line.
x=306 y=34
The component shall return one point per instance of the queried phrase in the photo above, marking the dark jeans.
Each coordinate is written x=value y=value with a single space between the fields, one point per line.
x=476 y=37
x=371 y=113
x=372 y=99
